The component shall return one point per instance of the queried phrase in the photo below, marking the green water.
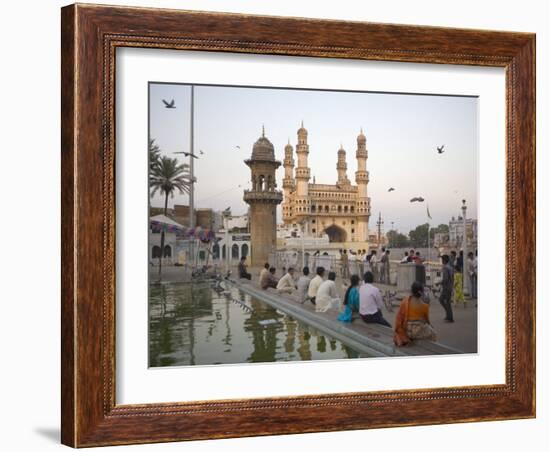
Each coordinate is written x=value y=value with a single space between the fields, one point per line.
x=192 y=324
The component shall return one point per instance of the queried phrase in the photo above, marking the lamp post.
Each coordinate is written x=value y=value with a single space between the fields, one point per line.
x=226 y=217
x=464 y=249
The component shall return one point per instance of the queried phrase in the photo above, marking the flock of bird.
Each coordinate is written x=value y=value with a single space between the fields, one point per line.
x=172 y=104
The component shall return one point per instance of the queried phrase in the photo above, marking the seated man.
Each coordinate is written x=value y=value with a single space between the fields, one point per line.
x=269 y=280
x=315 y=283
x=286 y=283
x=303 y=285
x=371 y=302
x=242 y=269
x=263 y=273
x=327 y=296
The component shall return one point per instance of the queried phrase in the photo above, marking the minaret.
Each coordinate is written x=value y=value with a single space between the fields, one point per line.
x=288 y=183
x=263 y=199
x=342 y=167
x=301 y=198
x=362 y=179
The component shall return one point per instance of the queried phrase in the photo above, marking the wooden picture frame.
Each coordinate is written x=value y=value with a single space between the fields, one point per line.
x=90 y=36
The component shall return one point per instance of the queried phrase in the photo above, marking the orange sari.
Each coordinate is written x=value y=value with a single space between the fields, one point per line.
x=400 y=336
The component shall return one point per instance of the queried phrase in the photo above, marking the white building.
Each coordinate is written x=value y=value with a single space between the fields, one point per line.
x=456 y=232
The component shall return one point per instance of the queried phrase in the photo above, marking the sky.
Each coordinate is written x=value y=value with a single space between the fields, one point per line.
x=402 y=131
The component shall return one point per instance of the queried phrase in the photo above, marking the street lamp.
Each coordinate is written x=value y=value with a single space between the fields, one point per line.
x=464 y=249
x=226 y=215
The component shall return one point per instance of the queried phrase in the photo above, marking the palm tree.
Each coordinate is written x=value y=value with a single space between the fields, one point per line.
x=168 y=177
x=154 y=156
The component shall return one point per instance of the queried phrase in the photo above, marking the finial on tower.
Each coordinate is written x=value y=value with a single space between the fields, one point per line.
x=361 y=130
x=263 y=131
x=302 y=123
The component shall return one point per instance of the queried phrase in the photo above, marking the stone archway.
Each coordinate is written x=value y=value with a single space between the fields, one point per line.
x=336 y=234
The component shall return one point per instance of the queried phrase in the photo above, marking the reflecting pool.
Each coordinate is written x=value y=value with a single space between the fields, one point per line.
x=201 y=324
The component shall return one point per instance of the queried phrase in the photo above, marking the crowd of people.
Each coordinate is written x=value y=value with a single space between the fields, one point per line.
x=364 y=300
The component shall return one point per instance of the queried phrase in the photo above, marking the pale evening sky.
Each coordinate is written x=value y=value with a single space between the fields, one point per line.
x=402 y=133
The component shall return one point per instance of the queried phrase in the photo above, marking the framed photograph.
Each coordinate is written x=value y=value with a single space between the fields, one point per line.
x=281 y=225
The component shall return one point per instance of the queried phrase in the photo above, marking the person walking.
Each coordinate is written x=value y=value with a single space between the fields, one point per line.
x=459 y=285
x=371 y=302
x=374 y=265
x=315 y=284
x=344 y=263
x=447 y=283
x=472 y=274
x=383 y=263
x=327 y=296
x=387 y=268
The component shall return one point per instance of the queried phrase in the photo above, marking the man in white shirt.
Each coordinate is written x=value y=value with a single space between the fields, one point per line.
x=286 y=283
x=315 y=283
x=263 y=273
x=374 y=264
x=371 y=302
x=327 y=296
x=303 y=285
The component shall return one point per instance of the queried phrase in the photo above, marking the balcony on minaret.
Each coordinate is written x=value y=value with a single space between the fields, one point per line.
x=361 y=154
x=302 y=173
x=362 y=177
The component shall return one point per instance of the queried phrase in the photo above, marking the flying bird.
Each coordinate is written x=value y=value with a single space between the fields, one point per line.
x=200 y=152
x=187 y=154
x=440 y=149
x=171 y=104
x=391 y=189
x=417 y=198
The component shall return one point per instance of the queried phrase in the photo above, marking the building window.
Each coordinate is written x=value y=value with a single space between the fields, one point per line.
x=167 y=251
x=156 y=251
x=313 y=230
x=352 y=221
x=353 y=231
x=313 y=221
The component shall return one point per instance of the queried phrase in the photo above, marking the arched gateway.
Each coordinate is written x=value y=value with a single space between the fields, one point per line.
x=336 y=234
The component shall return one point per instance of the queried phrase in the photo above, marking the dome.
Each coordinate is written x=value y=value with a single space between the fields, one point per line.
x=302 y=130
x=341 y=150
x=263 y=149
x=288 y=147
x=361 y=137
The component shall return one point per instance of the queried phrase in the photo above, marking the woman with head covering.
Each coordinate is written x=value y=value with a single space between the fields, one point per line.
x=413 y=320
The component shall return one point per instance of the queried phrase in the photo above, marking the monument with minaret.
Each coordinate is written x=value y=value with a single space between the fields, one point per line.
x=340 y=210
x=263 y=198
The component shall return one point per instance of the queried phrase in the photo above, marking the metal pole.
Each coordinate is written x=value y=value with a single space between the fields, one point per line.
x=191 y=161
x=192 y=175
x=464 y=250
x=226 y=243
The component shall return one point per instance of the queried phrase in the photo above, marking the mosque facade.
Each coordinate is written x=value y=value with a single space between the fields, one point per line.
x=340 y=210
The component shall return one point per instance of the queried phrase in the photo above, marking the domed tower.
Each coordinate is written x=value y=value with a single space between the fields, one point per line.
x=362 y=180
x=301 y=195
x=342 y=167
x=263 y=199
x=288 y=183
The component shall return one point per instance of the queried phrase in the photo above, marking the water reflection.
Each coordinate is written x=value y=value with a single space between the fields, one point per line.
x=192 y=324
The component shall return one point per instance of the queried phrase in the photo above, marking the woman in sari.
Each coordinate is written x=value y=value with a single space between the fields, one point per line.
x=412 y=320
x=459 y=285
x=351 y=300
